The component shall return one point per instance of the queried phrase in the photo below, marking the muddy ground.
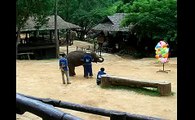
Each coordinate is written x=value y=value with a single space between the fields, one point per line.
x=42 y=78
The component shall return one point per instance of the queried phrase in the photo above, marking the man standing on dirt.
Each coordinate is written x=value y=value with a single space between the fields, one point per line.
x=100 y=40
x=87 y=59
x=63 y=64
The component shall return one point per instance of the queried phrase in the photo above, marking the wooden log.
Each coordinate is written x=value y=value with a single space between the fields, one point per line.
x=163 y=87
x=105 y=81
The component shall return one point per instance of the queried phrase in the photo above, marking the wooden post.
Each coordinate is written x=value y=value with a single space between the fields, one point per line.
x=56 y=34
x=105 y=81
x=163 y=70
x=67 y=40
x=164 y=88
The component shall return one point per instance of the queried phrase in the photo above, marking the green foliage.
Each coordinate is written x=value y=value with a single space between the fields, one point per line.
x=89 y=13
x=85 y=13
x=37 y=8
x=154 y=18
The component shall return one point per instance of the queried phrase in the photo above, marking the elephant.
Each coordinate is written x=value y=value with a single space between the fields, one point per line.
x=74 y=60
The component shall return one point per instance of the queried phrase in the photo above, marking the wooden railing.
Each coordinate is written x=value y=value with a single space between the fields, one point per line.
x=43 y=107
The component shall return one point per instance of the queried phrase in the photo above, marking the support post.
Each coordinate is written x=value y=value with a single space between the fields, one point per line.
x=163 y=70
x=56 y=32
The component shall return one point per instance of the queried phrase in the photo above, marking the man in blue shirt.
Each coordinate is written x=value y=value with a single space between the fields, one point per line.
x=87 y=59
x=63 y=64
x=101 y=72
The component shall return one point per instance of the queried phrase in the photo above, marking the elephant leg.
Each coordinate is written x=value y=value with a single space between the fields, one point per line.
x=72 y=71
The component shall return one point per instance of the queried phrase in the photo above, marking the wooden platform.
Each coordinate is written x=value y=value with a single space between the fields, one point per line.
x=26 y=54
x=163 y=87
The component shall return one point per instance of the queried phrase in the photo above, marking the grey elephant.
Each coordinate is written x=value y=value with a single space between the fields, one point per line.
x=74 y=60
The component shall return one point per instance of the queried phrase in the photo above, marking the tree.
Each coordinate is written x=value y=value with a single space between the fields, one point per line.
x=39 y=9
x=85 y=13
x=153 y=18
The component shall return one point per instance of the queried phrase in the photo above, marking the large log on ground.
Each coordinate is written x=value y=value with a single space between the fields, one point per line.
x=163 y=87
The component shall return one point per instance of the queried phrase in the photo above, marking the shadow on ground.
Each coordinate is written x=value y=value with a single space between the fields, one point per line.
x=145 y=90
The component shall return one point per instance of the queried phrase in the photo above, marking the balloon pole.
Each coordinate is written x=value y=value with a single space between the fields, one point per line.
x=162 y=53
x=163 y=66
x=163 y=70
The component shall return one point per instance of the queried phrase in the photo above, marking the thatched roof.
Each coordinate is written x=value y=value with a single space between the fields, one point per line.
x=61 y=24
x=112 y=23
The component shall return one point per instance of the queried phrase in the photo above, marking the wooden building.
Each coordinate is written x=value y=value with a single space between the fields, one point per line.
x=112 y=23
x=116 y=34
x=40 y=42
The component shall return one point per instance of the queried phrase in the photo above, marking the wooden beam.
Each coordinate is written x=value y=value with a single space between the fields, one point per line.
x=163 y=87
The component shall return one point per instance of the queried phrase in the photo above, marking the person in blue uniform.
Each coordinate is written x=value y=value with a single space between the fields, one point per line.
x=87 y=59
x=63 y=64
x=101 y=72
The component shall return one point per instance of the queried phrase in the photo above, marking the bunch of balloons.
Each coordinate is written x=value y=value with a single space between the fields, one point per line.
x=162 y=51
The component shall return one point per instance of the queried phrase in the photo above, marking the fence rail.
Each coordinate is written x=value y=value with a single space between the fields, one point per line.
x=114 y=115
x=43 y=110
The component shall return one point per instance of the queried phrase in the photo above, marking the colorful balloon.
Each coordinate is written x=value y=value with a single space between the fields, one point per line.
x=162 y=51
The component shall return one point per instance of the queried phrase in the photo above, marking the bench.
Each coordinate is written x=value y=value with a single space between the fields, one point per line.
x=26 y=54
x=163 y=87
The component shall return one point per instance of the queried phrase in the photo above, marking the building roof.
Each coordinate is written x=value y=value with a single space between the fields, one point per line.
x=112 y=23
x=61 y=24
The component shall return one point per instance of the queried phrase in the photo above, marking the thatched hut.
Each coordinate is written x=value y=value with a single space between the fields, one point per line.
x=40 y=40
x=61 y=24
x=116 y=34
x=112 y=23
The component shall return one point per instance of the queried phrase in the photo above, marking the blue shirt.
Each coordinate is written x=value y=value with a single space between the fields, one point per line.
x=63 y=62
x=100 y=73
x=87 y=59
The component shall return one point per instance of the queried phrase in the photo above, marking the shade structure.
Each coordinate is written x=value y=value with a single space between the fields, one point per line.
x=112 y=23
x=30 y=25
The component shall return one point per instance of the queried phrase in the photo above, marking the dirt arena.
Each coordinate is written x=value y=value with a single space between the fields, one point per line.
x=42 y=78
